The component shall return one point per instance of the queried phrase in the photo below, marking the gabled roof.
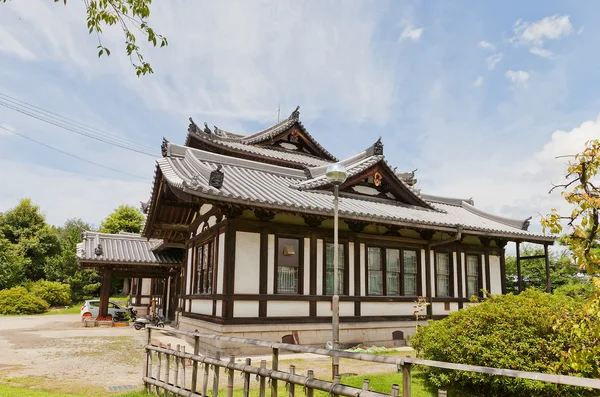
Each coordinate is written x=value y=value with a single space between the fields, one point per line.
x=124 y=248
x=261 y=185
x=261 y=144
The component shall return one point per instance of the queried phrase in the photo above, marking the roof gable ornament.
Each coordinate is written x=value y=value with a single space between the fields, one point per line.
x=206 y=129
x=378 y=148
x=216 y=177
x=164 y=146
x=144 y=205
x=193 y=127
x=295 y=114
x=98 y=251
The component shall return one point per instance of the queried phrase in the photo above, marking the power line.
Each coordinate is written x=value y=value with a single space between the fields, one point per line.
x=70 y=154
x=73 y=126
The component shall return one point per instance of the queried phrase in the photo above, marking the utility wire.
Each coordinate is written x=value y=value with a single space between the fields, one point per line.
x=69 y=126
x=71 y=155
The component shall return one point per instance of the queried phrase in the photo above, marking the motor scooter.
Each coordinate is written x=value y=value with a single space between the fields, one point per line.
x=143 y=322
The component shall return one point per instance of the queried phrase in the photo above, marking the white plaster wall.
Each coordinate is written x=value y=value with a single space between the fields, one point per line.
x=219 y=308
x=432 y=269
x=438 y=308
x=202 y=307
x=205 y=208
x=386 y=308
x=455 y=274
x=483 y=275
x=247 y=263
x=324 y=309
x=463 y=276
x=271 y=263
x=287 y=309
x=319 y=274
x=495 y=275
x=146 y=286
x=351 y=270
x=212 y=221
x=362 y=270
x=307 y=274
x=188 y=273
x=145 y=301
x=245 y=309
x=220 y=263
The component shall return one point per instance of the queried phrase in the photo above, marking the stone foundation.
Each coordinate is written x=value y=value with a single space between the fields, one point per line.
x=309 y=334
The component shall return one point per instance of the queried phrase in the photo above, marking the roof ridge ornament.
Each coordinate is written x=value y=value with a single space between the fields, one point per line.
x=295 y=114
x=220 y=132
x=193 y=127
x=378 y=148
x=206 y=129
x=164 y=147
x=216 y=177
x=144 y=205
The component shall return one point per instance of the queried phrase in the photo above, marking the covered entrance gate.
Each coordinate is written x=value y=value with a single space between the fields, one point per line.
x=130 y=255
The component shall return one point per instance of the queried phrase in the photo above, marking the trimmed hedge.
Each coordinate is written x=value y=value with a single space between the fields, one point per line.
x=18 y=300
x=53 y=292
x=528 y=332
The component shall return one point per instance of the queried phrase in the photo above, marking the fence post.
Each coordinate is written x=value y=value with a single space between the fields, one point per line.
x=291 y=386
x=263 y=365
x=195 y=363
x=205 y=378
x=215 y=391
x=167 y=368
x=158 y=368
x=230 y=377
x=406 y=380
x=310 y=392
x=395 y=390
x=247 y=379
x=336 y=381
x=176 y=381
x=183 y=368
x=274 y=367
x=366 y=384
x=149 y=360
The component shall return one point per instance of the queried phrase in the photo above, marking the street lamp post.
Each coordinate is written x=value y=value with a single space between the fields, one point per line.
x=336 y=175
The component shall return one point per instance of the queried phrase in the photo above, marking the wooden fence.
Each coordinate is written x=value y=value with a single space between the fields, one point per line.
x=165 y=371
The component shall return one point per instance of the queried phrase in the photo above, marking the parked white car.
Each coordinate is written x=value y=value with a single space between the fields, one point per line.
x=90 y=309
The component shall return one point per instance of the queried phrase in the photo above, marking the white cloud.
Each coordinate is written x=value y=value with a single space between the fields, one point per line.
x=486 y=45
x=8 y=127
x=478 y=82
x=518 y=78
x=411 y=33
x=535 y=34
x=11 y=46
x=541 y=52
x=78 y=196
x=493 y=60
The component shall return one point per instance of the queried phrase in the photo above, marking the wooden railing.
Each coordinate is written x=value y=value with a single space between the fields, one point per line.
x=166 y=370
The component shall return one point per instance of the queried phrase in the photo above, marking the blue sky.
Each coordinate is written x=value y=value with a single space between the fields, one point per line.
x=480 y=97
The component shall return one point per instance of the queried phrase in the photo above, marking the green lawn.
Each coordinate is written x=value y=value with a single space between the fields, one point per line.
x=14 y=391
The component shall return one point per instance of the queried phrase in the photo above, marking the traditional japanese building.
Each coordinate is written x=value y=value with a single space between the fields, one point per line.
x=255 y=214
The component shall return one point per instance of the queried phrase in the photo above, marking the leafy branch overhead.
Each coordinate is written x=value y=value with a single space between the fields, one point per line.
x=129 y=15
x=582 y=190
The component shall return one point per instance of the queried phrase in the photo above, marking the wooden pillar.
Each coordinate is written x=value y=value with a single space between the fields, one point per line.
x=547 y=262
x=519 y=278
x=104 y=292
x=263 y=270
x=428 y=281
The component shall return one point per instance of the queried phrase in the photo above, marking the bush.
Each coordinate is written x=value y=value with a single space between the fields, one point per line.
x=53 y=292
x=18 y=300
x=519 y=332
x=577 y=289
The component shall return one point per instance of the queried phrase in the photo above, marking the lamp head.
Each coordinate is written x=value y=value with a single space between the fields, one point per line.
x=336 y=174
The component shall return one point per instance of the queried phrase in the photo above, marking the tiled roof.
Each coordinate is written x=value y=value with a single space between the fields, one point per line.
x=126 y=248
x=263 y=185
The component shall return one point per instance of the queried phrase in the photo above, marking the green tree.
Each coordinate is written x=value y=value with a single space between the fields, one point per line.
x=25 y=226
x=533 y=271
x=126 y=14
x=12 y=264
x=125 y=218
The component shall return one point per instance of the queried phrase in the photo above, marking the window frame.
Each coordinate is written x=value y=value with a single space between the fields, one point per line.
x=199 y=288
x=300 y=264
x=383 y=252
x=479 y=293
x=346 y=281
x=451 y=276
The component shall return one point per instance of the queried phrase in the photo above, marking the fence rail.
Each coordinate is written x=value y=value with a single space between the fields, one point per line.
x=176 y=384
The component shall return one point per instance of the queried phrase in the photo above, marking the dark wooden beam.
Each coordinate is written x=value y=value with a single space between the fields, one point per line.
x=104 y=292
x=263 y=270
x=547 y=262
x=177 y=227
x=543 y=256
x=519 y=278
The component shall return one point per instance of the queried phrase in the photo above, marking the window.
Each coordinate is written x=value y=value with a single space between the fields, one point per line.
x=204 y=269
x=288 y=263
x=329 y=269
x=375 y=277
x=392 y=272
x=442 y=274
x=472 y=275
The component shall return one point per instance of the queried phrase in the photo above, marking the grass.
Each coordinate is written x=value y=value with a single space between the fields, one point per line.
x=18 y=391
x=74 y=309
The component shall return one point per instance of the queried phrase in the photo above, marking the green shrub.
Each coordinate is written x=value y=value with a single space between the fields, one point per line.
x=577 y=289
x=519 y=332
x=18 y=300
x=53 y=292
